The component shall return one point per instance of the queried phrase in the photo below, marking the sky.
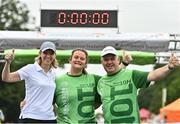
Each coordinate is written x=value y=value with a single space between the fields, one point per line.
x=151 y=16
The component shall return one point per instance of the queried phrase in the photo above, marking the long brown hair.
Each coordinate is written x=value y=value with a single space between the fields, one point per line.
x=86 y=53
x=54 y=64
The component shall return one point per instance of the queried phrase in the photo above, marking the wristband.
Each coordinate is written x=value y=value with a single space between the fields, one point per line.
x=170 y=68
x=124 y=63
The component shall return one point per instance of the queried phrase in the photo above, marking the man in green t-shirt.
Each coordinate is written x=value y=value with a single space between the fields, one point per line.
x=118 y=89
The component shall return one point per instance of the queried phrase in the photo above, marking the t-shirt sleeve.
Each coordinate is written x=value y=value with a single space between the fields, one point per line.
x=57 y=80
x=97 y=96
x=140 y=79
x=97 y=77
x=24 y=72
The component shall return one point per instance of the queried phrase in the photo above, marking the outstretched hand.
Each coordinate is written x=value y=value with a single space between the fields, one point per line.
x=126 y=57
x=10 y=56
x=173 y=61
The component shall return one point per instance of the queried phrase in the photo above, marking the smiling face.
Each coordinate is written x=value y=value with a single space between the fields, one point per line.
x=78 y=60
x=48 y=56
x=110 y=63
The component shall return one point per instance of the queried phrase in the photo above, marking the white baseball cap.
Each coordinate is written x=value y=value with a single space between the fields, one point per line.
x=109 y=50
x=48 y=45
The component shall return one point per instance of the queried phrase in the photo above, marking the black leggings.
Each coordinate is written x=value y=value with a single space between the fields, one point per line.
x=29 y=120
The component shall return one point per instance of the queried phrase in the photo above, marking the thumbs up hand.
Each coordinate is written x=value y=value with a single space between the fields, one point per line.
x=126 y=58
x=9 y=56
x=173 y=61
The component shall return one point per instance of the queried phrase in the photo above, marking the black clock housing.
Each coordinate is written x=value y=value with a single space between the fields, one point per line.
x=79 y=18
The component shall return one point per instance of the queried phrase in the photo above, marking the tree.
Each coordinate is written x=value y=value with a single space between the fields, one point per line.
x=151 y=97
x=13 y=15
x=10 y=97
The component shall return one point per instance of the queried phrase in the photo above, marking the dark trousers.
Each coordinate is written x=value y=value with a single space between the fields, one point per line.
x=29 y=120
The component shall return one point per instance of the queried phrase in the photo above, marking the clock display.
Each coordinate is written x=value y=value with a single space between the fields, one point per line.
x=79 y=18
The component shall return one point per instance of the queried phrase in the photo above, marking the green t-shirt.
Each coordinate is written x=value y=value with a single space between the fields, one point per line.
x=119 y=95
x=75 y=98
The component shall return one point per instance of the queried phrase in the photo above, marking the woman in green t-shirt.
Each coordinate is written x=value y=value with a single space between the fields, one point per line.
x=76 y=90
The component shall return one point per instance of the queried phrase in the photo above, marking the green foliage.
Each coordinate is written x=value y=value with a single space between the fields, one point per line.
x=13 y=15
x=151 y=97
x=10 y=97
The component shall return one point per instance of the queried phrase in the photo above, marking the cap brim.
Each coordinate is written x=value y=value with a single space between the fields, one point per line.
x=48 y=48
x=108 y=53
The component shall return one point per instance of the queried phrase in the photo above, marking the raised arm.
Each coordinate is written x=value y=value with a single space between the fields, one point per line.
x=163 y=71
x=7 y=76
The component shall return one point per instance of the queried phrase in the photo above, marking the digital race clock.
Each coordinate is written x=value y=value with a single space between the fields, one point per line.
x=79 y=18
